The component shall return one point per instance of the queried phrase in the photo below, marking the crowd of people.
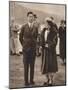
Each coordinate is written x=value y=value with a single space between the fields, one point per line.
x=35 y=41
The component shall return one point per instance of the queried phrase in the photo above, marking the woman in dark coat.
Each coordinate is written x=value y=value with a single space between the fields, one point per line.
x=62 y=36
x=49 y=59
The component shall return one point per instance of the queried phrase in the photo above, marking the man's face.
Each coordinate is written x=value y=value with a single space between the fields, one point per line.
x=12 y=22
x=30 y=18
x=62 y=24
x=35 y=19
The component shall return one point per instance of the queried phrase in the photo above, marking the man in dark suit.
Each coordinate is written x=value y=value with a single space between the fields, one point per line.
x=62 y=36
x=28 y=37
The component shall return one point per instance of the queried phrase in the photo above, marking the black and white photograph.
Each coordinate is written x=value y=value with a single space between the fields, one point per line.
x=37 y=44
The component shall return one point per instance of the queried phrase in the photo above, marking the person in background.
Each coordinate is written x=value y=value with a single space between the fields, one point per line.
x=62 y=36
x=14 y=38
x=57 y=30
x=49 y=65
x=28 y=39
x=37 y=24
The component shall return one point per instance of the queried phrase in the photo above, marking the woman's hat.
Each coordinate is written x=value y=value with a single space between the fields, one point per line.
x=48 y=19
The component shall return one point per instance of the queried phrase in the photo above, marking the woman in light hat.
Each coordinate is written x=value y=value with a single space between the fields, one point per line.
x=14 y=29
x=49 y=60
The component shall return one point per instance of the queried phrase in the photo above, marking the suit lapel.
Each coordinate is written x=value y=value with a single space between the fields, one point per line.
x=30 y=30
x=28 y=26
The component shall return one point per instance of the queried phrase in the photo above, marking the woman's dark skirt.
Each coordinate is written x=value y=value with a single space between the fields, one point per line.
x=49 y=61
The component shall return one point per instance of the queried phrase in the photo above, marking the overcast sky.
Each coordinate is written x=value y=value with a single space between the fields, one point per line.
x=47 y=8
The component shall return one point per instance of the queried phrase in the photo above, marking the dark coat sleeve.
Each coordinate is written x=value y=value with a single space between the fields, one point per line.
x=21 y=35
x=56 y=28
x=52 y=41
x=55 y=39
x=42 y=38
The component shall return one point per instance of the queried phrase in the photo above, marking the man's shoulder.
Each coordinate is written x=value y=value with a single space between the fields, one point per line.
x=24 y=25
x=36 y=24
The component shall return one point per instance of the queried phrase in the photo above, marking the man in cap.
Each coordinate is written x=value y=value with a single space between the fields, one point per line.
x=37 y=24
